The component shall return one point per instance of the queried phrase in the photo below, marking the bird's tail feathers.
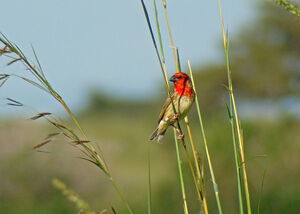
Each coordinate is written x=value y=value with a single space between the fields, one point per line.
x=154 y=135
x=157 y=136
x=160 y=138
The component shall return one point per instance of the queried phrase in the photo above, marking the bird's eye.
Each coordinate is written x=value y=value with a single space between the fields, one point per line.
x=180 y=77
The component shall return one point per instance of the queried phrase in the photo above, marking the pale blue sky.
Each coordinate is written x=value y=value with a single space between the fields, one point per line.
x=105 y=45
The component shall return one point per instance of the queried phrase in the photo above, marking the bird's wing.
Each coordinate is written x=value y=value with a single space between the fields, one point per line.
x=165 y=106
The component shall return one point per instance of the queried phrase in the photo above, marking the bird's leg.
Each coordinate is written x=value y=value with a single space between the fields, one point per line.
x=180 y=136
x=173 y=117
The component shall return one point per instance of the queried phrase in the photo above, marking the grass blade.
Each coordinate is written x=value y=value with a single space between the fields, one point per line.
x=199 y=192
x=40 y=115
x=42 y=144
x=3 y=81
x=149 y=180
x=215 y=186
x=163 y=69
x=14 y=102
x=288 y=6
x=235 y=114
x=260 y=192
x=185 y=207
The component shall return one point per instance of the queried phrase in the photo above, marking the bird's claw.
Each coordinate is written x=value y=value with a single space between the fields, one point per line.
x=180 y=137
x=173 y=118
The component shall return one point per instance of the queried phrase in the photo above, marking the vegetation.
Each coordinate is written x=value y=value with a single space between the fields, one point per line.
x=263 y=63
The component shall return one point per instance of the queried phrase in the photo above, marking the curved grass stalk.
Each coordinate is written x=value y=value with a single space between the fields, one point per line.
x=288 y=6
x=86 y=148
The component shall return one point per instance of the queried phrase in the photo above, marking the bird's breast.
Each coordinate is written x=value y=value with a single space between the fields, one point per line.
x=185 y=104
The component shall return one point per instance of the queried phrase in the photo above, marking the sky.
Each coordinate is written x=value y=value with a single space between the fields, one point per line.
x=105 y=46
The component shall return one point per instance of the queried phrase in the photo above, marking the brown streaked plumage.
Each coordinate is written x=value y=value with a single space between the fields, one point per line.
x=183 y=98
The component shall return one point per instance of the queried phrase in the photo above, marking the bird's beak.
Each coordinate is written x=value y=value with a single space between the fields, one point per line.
x=173 y=79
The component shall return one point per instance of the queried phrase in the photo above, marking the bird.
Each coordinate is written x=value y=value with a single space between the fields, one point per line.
x=183 y=98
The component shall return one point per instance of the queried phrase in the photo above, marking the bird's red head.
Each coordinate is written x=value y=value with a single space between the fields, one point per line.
x=182 y=84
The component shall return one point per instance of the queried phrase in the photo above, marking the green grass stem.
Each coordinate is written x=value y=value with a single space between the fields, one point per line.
x=185 y=207
x=260 y=192
x=163 y=69
x=236 y=159
x=171 y=36
x=87 y=148
x=235 y=114
x=201 y=191
x=198 y=185
x=149 y=198
x=215 y=186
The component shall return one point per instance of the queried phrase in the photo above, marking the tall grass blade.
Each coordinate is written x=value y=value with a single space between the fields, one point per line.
x=215 y=186
x=236 y=158
x=200 y=191
x=163 y=69
x=38 y=61
x=185 y=207
x=155 y=47
x=121 y=195
x=170 y=35
x=178 y=59
x=235 y=114
x=261 y=190
x=158 y=32
x=88 y=149
x=149 y=180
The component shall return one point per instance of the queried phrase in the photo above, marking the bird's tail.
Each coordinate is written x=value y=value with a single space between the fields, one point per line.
x=157 y=136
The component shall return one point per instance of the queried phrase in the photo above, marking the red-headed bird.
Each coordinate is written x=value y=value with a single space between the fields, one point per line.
x=183 y=98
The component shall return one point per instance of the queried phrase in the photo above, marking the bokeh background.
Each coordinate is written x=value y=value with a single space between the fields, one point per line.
x=99 y=57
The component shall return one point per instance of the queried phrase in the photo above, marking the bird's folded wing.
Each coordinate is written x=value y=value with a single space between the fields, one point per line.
x=165 y=106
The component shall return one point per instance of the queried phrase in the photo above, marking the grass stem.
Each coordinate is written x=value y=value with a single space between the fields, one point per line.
x=120 y=194
x=201 y=192
x=41 y=82
x=236 y=159
x=235 y=114
x=164 y=72
x=288 y=6
x=149 y=180
x=171 y=36
x=185 y=207
x=215 y=186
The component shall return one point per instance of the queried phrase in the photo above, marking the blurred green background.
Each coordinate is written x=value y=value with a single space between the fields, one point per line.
x=266 y=78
